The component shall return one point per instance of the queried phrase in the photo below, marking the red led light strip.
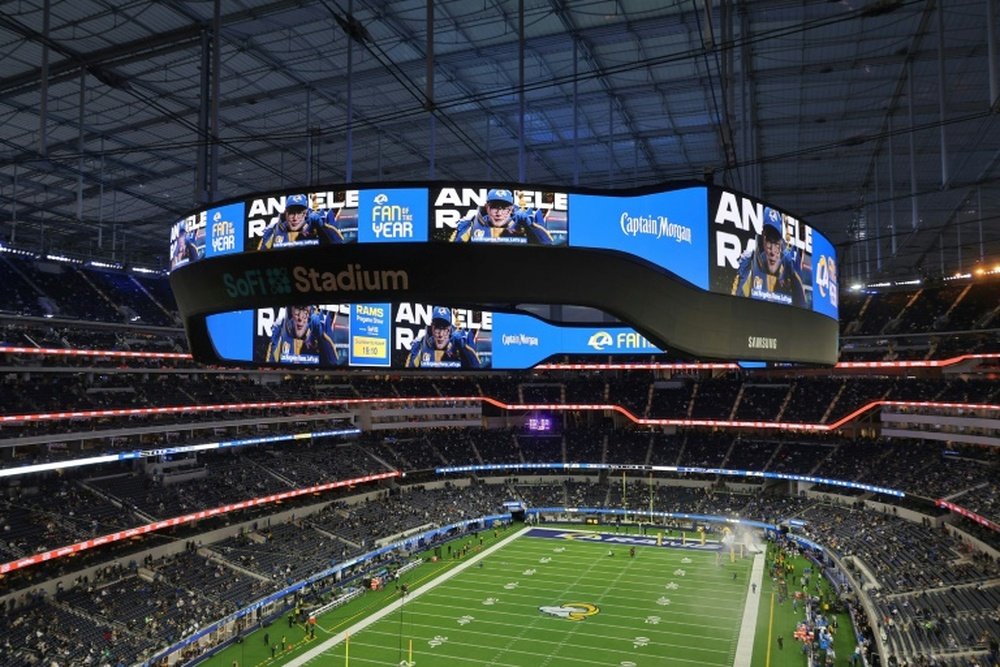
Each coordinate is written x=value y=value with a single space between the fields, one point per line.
x=346 y=402
x=261 y=405
x=8 y=349
x=929 y=363
x=968 y=514
x=657 y=422
x=918 y=363
x=910 y=404
x=842 y=365
x=187 y=518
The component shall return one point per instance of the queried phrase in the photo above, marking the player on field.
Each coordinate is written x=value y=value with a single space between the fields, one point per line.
x=185 y=247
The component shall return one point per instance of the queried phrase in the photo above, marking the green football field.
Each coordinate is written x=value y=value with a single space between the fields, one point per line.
x=546 y=601
x=555 y=601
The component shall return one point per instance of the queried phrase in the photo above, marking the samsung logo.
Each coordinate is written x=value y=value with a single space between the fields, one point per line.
x=762 y=343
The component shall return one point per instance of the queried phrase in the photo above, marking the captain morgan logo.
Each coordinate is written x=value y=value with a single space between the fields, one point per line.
x=520 y=339
x=571 y=611
x=657 y=226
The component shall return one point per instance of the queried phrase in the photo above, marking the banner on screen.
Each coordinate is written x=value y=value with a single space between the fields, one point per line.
x=665 y=228
x=408 y=336
x=758 y=252
x=500 y=214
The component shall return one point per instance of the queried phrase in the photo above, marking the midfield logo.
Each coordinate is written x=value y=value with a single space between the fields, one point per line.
x=572 y=611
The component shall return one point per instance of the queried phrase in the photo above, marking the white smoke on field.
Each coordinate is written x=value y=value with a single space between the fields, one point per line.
x=754 y=540
x=743 y=540
x=728 y=540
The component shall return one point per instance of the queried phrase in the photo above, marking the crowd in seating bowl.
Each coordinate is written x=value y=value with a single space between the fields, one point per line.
x=125 y=612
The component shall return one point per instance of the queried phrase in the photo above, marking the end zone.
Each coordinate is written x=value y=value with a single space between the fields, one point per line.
x=658 y=540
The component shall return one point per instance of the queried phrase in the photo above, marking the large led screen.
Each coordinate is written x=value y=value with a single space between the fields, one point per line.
x=499 y=214
x=713 y=238
x=407 y=336
x=758 y=252
x=352 y=244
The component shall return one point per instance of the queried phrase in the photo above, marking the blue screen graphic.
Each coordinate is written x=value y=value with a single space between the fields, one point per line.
x=232 y=334
x=522 y=341
x=668 y=228
x=392 y=216
x=371 y=334
x=824 y=277
x=224 y=227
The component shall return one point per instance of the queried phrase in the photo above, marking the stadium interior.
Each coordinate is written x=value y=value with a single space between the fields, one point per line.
x=912 y=408
x=145 y=497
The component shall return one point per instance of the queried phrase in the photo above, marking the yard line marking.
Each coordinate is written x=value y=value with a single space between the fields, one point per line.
x=443 y=655
x=327 y=644
x=436 y=627
x=520 y=615
x=684 y=603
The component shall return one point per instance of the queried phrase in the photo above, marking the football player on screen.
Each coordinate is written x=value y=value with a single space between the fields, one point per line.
x=185 y=249
x=301 y=225
x=294 y=226
x=442 y=346
x=329 y=227
x=769 y=271
x=326 y=223
x=304 y=336
x=500 y=222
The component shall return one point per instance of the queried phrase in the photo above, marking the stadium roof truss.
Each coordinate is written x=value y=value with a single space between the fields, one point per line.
x=877 y=121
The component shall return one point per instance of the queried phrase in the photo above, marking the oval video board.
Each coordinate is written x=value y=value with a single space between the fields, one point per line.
x=352 y=276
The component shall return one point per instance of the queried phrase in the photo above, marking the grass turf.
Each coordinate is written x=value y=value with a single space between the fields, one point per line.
x=647 y=613
x=774 y=618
